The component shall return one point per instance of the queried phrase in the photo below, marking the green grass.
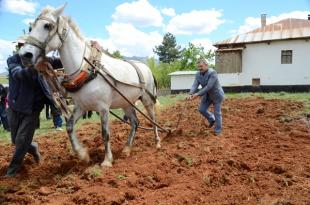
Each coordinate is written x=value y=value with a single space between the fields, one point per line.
x=170 y=99
x=4 y=79
x=46 y=126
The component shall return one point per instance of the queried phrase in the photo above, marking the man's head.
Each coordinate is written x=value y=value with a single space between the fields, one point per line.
x=20 y=42
x=202 y=65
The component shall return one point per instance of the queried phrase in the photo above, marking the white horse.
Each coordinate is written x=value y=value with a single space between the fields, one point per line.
x=52 y=31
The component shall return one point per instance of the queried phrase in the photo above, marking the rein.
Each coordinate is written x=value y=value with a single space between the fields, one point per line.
x=58 y=92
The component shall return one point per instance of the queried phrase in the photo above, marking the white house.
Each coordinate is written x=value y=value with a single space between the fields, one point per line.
x=275 y=57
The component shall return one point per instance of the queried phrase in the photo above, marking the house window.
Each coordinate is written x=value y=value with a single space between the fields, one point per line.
x=256 y=81
x=286 y=57
x=228 y=62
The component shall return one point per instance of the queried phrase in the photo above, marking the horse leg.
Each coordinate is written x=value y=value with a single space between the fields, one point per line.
x=150 y=108
x=77 y=148
x=130 y=113
x=108 y=158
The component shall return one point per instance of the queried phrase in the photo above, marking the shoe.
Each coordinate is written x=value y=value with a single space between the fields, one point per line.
x=211 y=124
x=59 y=129
x=12 y=171
x=217 y=133
x=10 y=175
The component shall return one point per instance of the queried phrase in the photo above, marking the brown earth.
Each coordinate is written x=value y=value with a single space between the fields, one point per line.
x=262 y=157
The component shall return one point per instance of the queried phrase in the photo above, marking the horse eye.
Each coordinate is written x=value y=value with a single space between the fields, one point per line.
x=48 y=26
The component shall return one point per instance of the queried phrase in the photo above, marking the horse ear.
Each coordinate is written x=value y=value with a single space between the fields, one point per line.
x=59 y=10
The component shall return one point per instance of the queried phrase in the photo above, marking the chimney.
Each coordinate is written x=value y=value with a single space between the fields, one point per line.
x=263 y=20
x=308 y=16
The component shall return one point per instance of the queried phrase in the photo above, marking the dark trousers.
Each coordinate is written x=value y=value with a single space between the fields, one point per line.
x=22 y=130
x=3 y=117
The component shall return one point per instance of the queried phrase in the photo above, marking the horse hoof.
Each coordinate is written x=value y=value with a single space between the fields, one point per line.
x=158 y=146
x=106 y=164
x=127 y=151
x=83 y=155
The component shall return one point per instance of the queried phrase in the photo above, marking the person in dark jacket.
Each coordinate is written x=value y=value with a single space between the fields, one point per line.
x=27 y=95
x=3 y=110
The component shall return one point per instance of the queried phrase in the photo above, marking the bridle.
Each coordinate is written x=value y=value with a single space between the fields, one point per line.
x=62 y=35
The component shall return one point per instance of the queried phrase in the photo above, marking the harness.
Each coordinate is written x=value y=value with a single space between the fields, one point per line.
x=85 y=73
x=141 y=78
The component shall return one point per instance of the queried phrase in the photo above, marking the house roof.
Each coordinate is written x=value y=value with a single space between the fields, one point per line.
x=281 y=30
x=189 y=72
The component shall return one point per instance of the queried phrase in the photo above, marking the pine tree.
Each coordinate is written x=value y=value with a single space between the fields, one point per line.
x=168 y=51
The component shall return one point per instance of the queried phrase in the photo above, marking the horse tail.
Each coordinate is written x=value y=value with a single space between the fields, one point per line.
x=156 y=86
x=156 y=102
x=157 y=107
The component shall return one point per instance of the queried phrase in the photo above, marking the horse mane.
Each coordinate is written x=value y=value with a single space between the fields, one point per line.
x=75 y=28
x=72 y=24
x=46 y=10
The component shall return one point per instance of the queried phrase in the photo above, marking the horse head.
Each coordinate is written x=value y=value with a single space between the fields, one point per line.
x=48 y=32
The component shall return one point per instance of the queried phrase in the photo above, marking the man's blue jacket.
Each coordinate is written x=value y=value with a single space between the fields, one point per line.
x=28 y=92
x=210 y=86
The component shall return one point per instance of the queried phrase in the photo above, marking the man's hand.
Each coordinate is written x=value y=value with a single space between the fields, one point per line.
x=192 y=97
x=42 y=65
x=189 y=97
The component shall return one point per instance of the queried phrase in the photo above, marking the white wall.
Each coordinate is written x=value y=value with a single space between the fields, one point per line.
x=182 y=82
x=185 y=81
x=262 y=60
x=230 y=79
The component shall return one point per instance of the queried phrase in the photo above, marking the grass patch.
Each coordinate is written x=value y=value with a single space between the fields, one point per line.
x=121 y=177
x=5 y=136
x=4 y=79
x=95 y=171
x=171 y=99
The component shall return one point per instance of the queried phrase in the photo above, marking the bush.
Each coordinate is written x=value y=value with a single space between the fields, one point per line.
x=161 y=71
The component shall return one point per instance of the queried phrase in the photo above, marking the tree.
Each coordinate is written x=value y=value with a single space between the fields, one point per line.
x=192 y=53
x=117 y=54
x=168 y=51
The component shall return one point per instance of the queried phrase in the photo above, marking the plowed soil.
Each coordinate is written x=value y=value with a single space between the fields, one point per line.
x=262 y=157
